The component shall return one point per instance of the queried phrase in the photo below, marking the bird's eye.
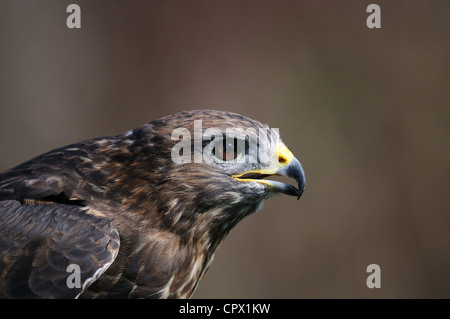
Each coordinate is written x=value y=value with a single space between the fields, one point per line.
x=227 y=149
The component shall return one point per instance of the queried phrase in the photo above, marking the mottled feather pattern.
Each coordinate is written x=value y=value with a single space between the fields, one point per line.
x=47 y=239
x=137 y=224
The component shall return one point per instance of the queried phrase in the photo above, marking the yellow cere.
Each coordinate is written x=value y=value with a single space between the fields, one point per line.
x=283 y=154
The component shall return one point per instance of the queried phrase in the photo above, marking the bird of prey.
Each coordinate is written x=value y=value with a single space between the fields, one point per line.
x=123 y=217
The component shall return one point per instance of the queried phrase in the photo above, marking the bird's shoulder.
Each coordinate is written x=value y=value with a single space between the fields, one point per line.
x=72 y=172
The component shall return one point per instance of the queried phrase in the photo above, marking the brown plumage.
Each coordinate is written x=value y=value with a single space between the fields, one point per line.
x=137 y=223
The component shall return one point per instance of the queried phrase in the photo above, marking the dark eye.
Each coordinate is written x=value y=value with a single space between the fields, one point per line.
x=227 y=149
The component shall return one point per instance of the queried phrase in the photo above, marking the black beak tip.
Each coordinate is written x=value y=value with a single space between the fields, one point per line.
x=300 y=192
x=299 y=174
x=295 y=170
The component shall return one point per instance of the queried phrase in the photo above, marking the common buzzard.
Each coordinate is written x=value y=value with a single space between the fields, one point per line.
x=139 y=214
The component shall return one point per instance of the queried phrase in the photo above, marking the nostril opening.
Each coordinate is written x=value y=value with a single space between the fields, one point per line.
x=281 y=160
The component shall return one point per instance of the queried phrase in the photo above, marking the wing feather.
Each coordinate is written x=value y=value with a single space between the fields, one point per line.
x=39 y=241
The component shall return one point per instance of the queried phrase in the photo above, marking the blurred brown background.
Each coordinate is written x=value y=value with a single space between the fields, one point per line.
x=366 y=111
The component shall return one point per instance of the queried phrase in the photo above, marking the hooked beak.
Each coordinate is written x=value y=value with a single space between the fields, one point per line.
x=288 y=166
x=293 y=170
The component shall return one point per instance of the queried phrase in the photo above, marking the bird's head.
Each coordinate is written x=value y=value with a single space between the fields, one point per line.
x=213 y=166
